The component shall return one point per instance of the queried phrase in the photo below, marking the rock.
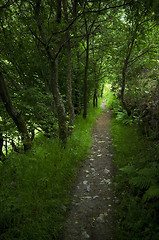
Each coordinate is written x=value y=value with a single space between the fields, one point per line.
x=99 y=155
x=85 y=182
x=107 y=181
x=106 y=171
x=108 y=198
x=96 y=196
x=85 y=235
x=109 y=155
x=92 y=169
x=86 y=197
x=76 y=204
x=100 y=219
x=102 y=182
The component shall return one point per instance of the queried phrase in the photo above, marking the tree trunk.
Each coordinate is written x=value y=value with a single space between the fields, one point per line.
x=123 y=84
x=2 y=156
x=124 y=70
x=69 y=71
x=123 y=90
x=95 y=98
x=58 y=100
x=69 y=89
x=52 y=54
x=77 y=103
x=6 y=144
x=95 y=95
x=16 y=116
x=85 y=79
x=102 y=91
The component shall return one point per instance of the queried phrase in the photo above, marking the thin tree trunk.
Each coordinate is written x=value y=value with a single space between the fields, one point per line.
x=2 y=156
x=88 y=32
x=16 y=116
x=95 y=98
x=77 y=103
x=52 y=54
x=69 y=89
x=102 y=90
x=69 y=72
x=123 y=89
x=124 y=70
x=58 y=100
x=85 y=78
x=6 y=144
x=95 y=95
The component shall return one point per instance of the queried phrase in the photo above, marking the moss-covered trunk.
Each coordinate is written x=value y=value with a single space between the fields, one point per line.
x=58 y=100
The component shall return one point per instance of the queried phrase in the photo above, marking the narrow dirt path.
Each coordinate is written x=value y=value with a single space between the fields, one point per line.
x=91 y=214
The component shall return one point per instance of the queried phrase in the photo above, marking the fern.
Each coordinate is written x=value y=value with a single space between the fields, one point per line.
x=151 y=172
x=151 y=193
x=147 y=177
x=141 y=182
x=128 y=169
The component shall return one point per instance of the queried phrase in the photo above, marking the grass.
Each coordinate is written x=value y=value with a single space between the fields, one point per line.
x=35 y=187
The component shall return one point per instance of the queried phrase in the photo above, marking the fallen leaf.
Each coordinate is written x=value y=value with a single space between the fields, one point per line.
x=105 y=214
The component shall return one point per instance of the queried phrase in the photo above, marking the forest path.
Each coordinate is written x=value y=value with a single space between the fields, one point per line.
x=91 y=213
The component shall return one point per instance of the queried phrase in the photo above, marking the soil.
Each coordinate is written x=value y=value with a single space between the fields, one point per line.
x=91 y=211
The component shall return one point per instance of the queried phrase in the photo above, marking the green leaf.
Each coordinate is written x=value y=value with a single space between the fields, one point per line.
x=128 y=169
x=151 y=193
x=141 y=182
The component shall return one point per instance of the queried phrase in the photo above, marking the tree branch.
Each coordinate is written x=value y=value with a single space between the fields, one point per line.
x=5 y=5
x=130 y=63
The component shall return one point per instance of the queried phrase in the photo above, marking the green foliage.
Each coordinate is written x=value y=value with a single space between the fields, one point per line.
x=114 y=104
x=137 y=181
x=35 y=187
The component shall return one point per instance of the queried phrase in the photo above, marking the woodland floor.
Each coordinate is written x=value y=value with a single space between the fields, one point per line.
x=91 y=211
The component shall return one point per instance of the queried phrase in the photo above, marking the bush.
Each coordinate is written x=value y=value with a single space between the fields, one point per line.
x=137 y=181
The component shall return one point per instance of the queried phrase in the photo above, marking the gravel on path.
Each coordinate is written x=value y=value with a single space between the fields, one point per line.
x=91 y=211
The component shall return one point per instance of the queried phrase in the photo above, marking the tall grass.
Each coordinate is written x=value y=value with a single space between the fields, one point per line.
x=35 y=187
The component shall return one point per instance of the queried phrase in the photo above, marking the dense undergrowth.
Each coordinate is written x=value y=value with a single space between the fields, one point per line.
x=35 y=187
x=137 y=178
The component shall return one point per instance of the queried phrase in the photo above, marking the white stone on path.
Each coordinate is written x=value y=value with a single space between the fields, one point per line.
x=88 y=188
x=96 y=196
x=85 y=182
x=99 y=155
x=106 y=171
x=100 y=219
x=85 y=235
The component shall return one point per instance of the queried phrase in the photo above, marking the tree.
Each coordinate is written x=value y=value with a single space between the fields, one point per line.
x=2 y=156
x=69 y=71
x=14 y=114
